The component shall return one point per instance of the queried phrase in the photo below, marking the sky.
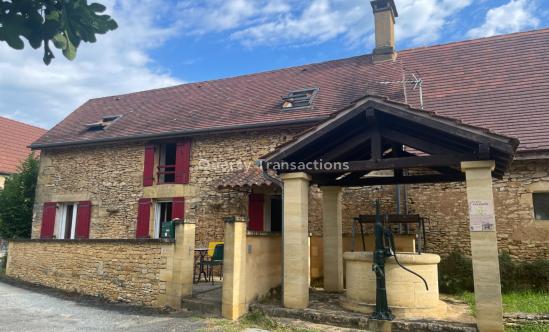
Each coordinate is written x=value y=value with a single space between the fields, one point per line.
x=167 y=42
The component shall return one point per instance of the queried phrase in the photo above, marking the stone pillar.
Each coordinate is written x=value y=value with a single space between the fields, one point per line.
x=234 y=268
x=179 y=279
x=295 y=286
x=332 y=239
x=484 y=245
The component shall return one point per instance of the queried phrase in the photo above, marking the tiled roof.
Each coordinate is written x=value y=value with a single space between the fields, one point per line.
x=499 y=83
x=14 y=138
x=245 y=179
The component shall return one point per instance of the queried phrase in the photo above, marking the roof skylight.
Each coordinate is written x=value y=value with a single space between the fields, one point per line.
x=100 y=125
x=299 y=98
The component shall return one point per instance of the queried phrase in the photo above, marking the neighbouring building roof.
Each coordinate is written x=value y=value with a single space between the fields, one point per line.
x=499 y=83
x=14 y=138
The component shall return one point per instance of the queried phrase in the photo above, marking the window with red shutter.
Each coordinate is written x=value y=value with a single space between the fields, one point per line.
x=178 y=208
x=143 y=218
x=255 y=212
x=182 y=162
x=83 y=219
x=48 y=220
x=148 y=169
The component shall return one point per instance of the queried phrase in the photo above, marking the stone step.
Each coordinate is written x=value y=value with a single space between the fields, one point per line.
x=206 y=299
x=202 y=306
x=361 y=321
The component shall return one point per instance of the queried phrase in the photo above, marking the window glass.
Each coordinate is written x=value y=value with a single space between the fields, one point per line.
x=66 y=221
x=167 y=163
x=163 y=213
x=541 y=206
x=276 y=214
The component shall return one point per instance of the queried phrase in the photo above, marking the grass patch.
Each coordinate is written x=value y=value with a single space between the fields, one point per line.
x=251 y=320
x=469 y=298
x=527 y=328
x=528 y=302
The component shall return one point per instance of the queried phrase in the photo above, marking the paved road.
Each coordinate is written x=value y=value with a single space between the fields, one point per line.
x=22 y=309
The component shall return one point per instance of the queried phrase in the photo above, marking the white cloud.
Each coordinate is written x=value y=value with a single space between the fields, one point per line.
x=299 y=22
x=119 y=62
x=422 y=21
x=320 y=21
x=219 y=15
x=514 y=16
x=43 y=95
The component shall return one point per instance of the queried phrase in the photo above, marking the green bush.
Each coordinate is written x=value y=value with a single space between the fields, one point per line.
x=455 y=274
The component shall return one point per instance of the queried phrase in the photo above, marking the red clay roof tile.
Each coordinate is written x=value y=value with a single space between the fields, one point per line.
x=499 y=83
x=14 y=138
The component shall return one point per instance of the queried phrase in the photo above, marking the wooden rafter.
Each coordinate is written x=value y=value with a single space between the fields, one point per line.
x=370 y=136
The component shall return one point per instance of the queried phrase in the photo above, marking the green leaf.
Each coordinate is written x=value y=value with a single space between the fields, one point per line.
x=13 y=41
x=97 y=7
x=66 y=23
x=54 y=15
x=60 y=41
x=70 y=51
x=48 y=54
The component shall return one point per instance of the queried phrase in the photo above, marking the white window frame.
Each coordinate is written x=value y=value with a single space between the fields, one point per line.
x=60 y=220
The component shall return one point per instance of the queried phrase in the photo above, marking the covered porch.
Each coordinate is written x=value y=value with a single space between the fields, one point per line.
x=377 y=142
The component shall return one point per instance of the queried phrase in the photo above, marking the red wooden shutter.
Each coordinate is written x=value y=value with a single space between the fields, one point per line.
x=255 y=212
x=182 y=161
x=83 y=218
x=48 y=220
x=148 y=169
x=143 y=218
x=178 y=208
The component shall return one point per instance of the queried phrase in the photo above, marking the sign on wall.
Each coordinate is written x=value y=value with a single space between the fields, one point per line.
x=481 y=216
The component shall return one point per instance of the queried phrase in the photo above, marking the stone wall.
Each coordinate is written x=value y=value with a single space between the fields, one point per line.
x=445 y=208
x=263 y=265
x=215 y=156
x=109 y=176
x=118 y=270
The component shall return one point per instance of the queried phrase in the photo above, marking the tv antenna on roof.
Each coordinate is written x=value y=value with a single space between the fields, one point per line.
x=417 y=83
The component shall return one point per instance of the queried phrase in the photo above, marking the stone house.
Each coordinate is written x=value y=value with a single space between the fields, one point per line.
x=118 y=166
x=15 y=137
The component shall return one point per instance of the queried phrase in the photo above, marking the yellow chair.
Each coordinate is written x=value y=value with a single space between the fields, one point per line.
x=211 y=247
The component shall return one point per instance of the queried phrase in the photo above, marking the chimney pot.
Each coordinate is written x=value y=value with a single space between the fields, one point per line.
x=385 y=13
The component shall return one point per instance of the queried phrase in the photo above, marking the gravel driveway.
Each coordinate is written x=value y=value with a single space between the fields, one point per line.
x=23 y=309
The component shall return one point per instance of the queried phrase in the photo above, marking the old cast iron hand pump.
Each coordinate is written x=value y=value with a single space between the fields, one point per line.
x=382 y=251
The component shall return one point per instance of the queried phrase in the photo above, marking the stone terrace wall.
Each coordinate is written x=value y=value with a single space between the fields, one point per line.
x=445 y=207
x=128 y=271
x=263 y=265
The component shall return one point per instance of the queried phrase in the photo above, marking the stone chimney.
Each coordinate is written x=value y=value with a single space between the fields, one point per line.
x=384 y=15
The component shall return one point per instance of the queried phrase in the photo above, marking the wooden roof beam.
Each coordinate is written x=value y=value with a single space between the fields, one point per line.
x=401 y=162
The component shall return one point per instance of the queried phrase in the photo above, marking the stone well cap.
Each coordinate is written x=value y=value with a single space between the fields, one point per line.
x=403 y=257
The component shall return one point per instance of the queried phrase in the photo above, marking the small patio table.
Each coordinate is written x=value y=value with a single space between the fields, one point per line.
x=199 y=258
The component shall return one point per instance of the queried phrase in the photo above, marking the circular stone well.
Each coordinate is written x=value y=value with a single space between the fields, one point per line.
x=406 y=293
